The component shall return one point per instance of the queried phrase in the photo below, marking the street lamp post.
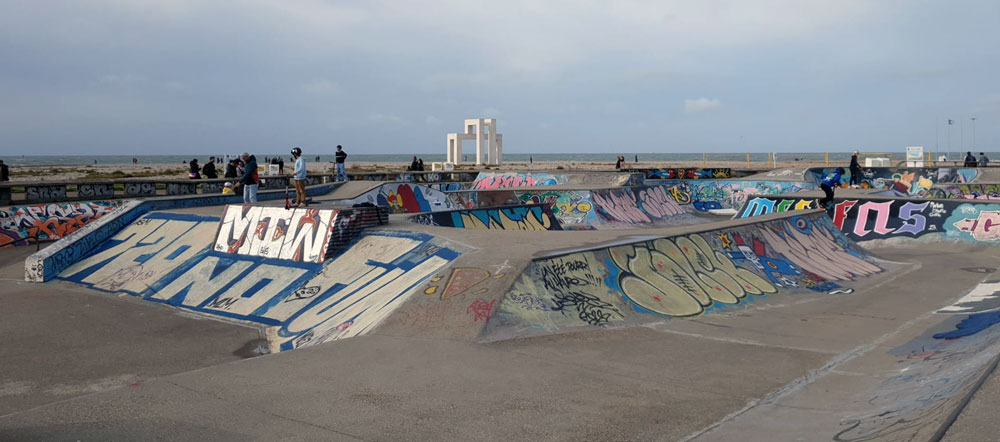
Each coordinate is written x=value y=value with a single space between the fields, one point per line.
x=973 y=133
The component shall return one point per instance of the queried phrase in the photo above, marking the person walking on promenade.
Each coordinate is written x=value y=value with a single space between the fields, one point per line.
x=983 y=161
x=828 y=184
x=195 y=170
x=4 y=172
x=300 y=177
x=855 y=171
x=250 y=180
x=970 y=161
x=618 y=163
x=341 y=157
x=414 y=164
x=209 y=169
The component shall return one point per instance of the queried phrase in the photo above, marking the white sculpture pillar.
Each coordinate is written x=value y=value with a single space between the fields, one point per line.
x=488 y=142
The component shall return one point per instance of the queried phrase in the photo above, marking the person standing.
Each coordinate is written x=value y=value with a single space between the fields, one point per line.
x=341 y=157
x=970 y=161
x=231 y=169
x=828 y=184
x=414 y=164
x=300 y=177
x=195 y=170
x=618 y=162
x=281 y=166
x=209 y=169
x=4 y=172
x=983 y=161
x=249 y=181
x=855 y=171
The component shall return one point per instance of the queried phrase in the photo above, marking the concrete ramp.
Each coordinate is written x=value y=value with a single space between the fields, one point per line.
x=635 y=282
x=864 y=219
x=169 y=258
x=507 y=180
x=609 y=208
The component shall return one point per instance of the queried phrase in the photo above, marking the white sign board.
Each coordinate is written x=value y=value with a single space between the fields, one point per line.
x=915 y=156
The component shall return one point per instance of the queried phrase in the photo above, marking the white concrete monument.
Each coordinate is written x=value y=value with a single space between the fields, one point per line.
x=484 y=131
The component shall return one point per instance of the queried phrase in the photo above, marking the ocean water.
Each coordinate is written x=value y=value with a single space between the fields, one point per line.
x=179 y=160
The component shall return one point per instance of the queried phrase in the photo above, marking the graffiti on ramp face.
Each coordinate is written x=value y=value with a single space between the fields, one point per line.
x=683 y=275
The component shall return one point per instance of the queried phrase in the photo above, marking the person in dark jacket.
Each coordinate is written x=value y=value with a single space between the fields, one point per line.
x=341 y=158
x=420 y=165
x=209 y=169
x=4 y=172
x=249 y=181
x=828 y=184
x=195 y=169
x=414 y=164
x=970 y=161
x=855 y=171
x=231 y=169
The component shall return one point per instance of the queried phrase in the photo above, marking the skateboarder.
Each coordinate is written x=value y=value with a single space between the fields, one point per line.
x=828 y=184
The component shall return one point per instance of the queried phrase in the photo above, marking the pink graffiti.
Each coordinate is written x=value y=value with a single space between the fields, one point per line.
x=657 y=203
x=621 y=206
x=982 y=228
x=480 y=309
x=817 y=252
x=505 y=181
x=881 y=219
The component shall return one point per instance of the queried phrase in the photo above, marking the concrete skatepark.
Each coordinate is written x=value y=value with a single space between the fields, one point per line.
x=598 y=306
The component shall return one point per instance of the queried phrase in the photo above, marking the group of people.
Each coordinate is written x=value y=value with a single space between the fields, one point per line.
x=416 y=165
x=970 y=161
x=243 y=169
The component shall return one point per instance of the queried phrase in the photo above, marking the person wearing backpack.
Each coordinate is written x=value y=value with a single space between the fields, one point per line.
x=250 y=180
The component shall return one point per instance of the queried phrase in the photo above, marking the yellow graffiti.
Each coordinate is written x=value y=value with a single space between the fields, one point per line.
x=681 y=277
x=724 y=238
x=527 y=222
x=679 y=195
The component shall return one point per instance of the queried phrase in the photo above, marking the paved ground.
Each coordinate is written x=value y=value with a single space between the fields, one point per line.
x=70 y=372
x=60 y=341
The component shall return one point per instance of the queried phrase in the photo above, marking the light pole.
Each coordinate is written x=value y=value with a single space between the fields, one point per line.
x=973 y=133
x=950 y=122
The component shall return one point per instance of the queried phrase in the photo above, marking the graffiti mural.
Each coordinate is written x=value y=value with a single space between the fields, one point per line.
x=505 y=180
x=403 y=198
x=974 y=191
x=866 y=219
x=48 y=222
x=682 y=276
x=274 y=232
x=524 y=217
x=490 y=180
x=706 y=195
x=643 y=205
x=764 y=206
x=696 y=173
x=165 y=258
x=901 y=181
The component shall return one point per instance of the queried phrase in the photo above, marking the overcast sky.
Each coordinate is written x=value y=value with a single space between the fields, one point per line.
x=192 y=76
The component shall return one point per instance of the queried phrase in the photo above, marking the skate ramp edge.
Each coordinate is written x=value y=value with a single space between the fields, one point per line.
x=874 y=220
x=642 y=280
x=169 y=259
x=48 y=263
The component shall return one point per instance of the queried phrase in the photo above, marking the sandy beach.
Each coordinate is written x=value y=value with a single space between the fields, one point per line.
x=165 y=171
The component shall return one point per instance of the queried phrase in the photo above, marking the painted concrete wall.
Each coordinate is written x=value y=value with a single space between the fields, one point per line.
x=867 y=219
x=680 y=276
x=48 y=222
x=46 y=264
x=914 y=181
x=167 y=258
x=523 y=217
x=403 y=198
x=503 y=180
